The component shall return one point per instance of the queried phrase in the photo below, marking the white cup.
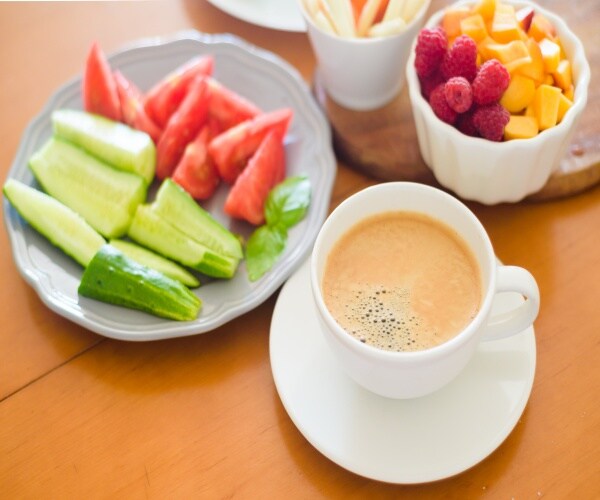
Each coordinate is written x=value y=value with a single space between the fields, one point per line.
x=363 y=73
x=417 y=373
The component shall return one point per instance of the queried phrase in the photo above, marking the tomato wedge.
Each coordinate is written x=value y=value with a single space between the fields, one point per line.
x=99 y=89
x=132 y=107
x=266 y=168
x=228 y=107
x=195 y=172
x=231 y=150
x=164 y=98
x=182 y=128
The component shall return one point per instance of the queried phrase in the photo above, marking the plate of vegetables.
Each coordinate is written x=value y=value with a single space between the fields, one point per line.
x=172 y=187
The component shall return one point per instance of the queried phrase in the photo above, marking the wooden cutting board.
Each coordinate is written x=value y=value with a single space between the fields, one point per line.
x=383 y=143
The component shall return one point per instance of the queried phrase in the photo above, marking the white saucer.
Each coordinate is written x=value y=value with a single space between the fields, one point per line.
x=396 y=441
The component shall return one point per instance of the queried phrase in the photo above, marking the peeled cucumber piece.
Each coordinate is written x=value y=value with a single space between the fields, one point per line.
x=152 y=231
x=104 y=196
x=62 y=226
x=177 y=207
x=117 y=144
x=113 y=277
x=154 y=261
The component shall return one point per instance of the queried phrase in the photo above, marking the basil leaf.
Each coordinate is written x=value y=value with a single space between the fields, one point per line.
x=287 y=202
x=264 y=247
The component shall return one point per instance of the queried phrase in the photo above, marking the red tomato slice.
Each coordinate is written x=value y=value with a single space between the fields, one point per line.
x=266 y=168
x=228 y=107
x=231 y=150
x=132 y=107
x=165 y=97
x=195 y=172
x=182 y=128
x=99 y=89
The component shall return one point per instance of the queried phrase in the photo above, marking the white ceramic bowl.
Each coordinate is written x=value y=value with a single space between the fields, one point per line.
x=489 y=172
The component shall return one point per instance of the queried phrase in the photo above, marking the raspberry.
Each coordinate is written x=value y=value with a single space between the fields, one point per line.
x=440 y=107
x=429 y=83
x=430 y=50
x=490 y=121
x=461 y=59
x=458 y=94
x=490 y=83
x=465 y=124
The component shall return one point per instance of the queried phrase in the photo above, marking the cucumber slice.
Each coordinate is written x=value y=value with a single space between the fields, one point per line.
x=105 y=197
x=61 y=225
x=152 y=231
x=113 y=277
x=154 y=261
x=177 y=207
x=114 y=143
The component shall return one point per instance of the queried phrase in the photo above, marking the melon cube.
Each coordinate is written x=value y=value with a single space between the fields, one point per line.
x=545 y=105
x=550 y=55
x=505 y=26
x=534 y=69
x=486 y=9
x=452 y=19
x=541 y=28
x=474 y=26
x=513 y=54
x=562 y=76
x=570 y=93
x=519 y=94
x=529 y=111
x=521 y=127
x=563 y=106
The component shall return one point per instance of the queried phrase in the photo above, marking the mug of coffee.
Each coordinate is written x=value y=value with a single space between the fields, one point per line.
x=403 y=276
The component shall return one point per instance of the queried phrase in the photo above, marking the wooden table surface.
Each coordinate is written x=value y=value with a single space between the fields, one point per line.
x=82 y=416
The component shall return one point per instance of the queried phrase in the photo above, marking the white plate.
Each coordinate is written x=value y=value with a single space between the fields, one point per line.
x=258 y=75
x=396 y=441
x=277 y=14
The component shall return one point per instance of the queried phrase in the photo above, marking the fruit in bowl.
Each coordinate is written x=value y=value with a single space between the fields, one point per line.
x=494 y=71
x=496 y=88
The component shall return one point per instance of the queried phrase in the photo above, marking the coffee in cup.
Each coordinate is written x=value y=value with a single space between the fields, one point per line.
x=402 y=281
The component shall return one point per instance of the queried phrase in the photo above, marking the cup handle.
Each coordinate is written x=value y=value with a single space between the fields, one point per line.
x=514 y=279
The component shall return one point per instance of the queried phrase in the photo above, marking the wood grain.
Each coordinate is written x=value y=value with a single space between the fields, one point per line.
x=86 y=417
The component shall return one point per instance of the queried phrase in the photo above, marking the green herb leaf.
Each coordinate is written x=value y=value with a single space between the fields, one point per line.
x=264 y=247
x=287 y=202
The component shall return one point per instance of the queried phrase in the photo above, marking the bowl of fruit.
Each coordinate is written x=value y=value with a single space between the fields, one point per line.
x=497 y=89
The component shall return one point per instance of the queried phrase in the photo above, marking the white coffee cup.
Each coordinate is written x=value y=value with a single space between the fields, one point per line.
x=363 y=73
x=417 y=373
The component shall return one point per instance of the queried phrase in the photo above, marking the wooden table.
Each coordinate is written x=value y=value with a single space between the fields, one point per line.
x=82 y=416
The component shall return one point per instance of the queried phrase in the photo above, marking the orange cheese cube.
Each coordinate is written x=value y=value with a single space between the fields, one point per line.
x=550 y=55
x=562 y=75
x=486 y=9
x=541 y=28
x=521 y=127
x=563 y=106
x=534 y=69
x=474 y=26
x=505 y=26
x=545 y=105
x=452 y=19
x=519 y=94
